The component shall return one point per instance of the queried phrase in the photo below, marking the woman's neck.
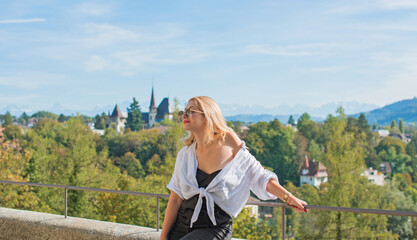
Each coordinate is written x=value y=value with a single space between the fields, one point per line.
x=202 y=146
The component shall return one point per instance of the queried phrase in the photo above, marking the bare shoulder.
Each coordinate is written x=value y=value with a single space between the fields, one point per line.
x=232 y=140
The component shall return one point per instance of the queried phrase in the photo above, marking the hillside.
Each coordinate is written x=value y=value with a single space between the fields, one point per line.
x=254 y=118
x=404 y=109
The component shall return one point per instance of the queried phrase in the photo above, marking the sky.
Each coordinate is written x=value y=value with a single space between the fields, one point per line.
x=83 y=55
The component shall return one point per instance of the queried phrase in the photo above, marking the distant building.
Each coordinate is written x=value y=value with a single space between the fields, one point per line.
x=32 y=122
x=164 y=111
x=118 y=118
x=313 y=173
x=403 y=137
x=374 y=176
x=382 y=133
x=385 y=167
x=253 y=209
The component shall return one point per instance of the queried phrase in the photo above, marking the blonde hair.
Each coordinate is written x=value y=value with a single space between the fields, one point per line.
x=214 y=118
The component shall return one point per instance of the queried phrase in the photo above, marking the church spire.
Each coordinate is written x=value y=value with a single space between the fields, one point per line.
x=152 y=100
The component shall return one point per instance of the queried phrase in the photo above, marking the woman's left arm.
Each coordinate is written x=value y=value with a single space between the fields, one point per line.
x=275 y=188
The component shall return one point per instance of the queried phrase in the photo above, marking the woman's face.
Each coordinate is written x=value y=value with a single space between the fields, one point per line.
x=195 y=121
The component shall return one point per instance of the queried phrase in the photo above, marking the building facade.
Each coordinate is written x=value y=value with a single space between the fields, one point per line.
x=117 y=118
x=313 y=173
x=164 y=111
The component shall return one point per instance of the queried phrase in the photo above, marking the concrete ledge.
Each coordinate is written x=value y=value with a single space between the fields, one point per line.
x=22 y=224
x=38 y=225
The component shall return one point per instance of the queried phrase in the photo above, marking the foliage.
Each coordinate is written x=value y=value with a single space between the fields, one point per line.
x=45 y=114
x=134 y=116
x=344 y=160
x=68 y=152
x=7 y=119
x=13 y=132
x=249 y=227
x=291 y=120
x=310 y=129
x=101 y=121
x=272 y=144
x=63 y=118
x=13 y=161
x=24 y=118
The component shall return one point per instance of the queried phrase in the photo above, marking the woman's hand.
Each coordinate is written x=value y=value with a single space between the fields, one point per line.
x=297 y=204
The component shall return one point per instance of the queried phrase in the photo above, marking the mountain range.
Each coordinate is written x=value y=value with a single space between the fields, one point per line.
x=404 y=109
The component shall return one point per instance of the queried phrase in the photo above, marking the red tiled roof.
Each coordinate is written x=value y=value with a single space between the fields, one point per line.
x=313 y=168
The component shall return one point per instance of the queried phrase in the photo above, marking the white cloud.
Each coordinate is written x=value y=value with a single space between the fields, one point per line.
x=102 y=35
x=94 y=9
x=289 y=50
x=95 y=35
x=397 y=4
x=329 y=69
x=95 y=63
x=403 y=27
x=29 y=20
x=128 y=62
x=398 y=85
x=31 y=80
x=360 y=6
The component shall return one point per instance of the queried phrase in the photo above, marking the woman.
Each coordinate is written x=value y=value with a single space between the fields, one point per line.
x=213 y=176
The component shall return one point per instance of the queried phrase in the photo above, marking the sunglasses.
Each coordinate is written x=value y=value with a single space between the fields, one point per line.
x=187 y=112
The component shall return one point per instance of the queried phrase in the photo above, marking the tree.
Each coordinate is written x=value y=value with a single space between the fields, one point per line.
x=101 y=121
x=13 y=132
x=134 y=116
x=401 y=126
x=13 y=161
x=7 y=119
x=346 y=187
x=393 y=124
x=248 y=227
x=272 y=144
x=62 y=118
x=45 y=114
x=310 y=129
x=23 y=119
x=363 y=123
x=291 y=120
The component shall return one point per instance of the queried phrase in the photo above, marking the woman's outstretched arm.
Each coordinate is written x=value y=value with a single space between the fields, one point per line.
x=174 y=204
x=275 y=188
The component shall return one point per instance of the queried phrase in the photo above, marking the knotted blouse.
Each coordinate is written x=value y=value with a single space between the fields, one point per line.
x=230 y=189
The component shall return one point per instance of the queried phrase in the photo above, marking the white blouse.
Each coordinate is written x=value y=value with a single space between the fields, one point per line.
x=230 y=189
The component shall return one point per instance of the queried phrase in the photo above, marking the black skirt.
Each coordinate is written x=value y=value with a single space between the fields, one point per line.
x=203 y=228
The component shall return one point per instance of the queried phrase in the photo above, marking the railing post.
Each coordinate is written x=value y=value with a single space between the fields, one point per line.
x=157 y=214
x=283 y=223
x=66 y=202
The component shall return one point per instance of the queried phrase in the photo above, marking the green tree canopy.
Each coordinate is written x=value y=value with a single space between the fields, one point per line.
x=134 y=116
x=7 y=119
x=401 y=126
x=291 y=120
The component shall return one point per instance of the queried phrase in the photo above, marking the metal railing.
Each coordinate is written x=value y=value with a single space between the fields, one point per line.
x=257 y=203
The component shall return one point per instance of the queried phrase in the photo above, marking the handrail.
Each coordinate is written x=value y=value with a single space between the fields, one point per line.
x=258 y=203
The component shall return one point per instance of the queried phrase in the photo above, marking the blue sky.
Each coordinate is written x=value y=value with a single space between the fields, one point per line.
x=84 y=54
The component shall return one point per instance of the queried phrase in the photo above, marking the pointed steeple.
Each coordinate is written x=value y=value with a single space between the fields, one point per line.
x=116 y=112
x=152 y=100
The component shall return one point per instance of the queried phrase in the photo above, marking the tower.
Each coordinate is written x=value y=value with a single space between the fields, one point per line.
x=152 y=111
